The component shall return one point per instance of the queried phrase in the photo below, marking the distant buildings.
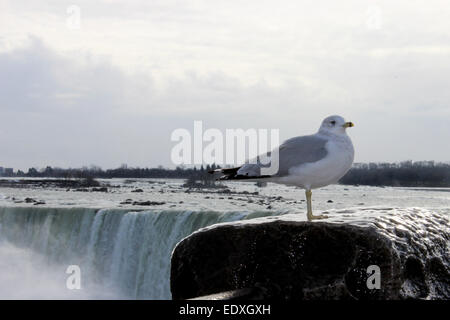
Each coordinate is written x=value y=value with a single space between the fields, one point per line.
x=6 y=172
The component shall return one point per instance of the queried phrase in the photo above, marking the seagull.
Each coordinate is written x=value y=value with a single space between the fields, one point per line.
x=308 y=162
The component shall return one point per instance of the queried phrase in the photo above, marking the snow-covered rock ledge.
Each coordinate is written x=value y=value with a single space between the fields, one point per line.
x=286 y=258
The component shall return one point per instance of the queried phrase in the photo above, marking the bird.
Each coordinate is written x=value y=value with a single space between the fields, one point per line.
x=309 y=162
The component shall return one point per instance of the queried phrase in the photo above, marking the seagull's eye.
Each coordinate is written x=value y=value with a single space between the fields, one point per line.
x=333 y=122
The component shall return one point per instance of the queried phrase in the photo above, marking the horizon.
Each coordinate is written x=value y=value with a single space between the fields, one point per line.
x=129 y=167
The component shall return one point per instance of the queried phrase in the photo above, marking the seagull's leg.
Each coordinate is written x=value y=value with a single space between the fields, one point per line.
x=309 y=208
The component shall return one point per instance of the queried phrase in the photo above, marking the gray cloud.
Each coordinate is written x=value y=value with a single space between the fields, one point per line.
x=66 y=110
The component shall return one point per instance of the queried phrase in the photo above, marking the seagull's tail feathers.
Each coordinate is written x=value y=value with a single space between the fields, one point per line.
x=232 y=174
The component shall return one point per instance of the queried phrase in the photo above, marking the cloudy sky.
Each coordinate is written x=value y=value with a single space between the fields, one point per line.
x=110 y=87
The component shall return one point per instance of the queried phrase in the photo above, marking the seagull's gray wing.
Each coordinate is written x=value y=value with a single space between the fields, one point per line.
x=293 y=152
x=299 y=150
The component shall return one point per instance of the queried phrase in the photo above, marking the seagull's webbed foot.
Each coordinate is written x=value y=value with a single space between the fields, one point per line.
x=313 y=217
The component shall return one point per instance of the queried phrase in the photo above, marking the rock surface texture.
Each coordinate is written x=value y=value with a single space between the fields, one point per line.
x=284 y=258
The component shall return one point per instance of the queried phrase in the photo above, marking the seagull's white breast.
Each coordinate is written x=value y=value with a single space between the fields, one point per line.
x=327 y=170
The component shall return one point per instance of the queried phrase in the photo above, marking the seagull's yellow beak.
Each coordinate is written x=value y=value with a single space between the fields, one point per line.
x=348 y=125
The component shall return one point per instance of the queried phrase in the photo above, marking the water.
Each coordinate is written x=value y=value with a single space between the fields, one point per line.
x=124 y=251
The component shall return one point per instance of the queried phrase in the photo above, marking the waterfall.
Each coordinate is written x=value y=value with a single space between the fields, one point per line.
x=122 y=252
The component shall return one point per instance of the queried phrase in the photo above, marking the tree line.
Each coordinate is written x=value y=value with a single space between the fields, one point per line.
x=406 y=174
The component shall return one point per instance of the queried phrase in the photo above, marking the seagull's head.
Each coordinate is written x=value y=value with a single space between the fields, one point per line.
x=335 y=125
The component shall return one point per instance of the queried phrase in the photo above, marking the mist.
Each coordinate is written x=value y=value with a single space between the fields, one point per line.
x=26 y=274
